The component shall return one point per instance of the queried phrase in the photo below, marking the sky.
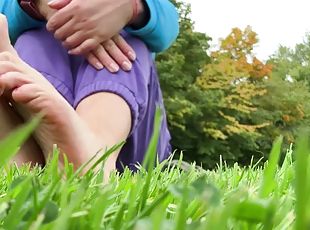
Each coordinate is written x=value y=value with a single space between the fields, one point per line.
x=276 y=22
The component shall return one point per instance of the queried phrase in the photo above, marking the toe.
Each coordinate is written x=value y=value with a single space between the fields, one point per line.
x=5 y=44
x=12 y=80
x=24 y=94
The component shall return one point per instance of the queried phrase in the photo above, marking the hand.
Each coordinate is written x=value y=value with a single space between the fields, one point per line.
x=112 y=54
x=83 y=25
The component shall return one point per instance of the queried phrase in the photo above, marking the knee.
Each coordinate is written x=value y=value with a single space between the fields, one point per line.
x=36 y=41
x=41 y=50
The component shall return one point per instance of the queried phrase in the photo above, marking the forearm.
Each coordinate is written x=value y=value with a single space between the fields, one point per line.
x=162 y=27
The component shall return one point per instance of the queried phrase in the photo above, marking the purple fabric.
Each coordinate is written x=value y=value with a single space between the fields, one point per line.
x=75 y=79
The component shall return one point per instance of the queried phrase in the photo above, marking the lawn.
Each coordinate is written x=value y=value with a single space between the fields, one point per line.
x=172 y=195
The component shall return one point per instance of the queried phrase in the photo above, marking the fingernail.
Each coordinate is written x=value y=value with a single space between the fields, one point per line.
x=132 y=56
x=114 y=68
x=126 y=66
x=99 y=66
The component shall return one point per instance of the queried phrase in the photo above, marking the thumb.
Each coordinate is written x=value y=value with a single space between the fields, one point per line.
x=58 y=4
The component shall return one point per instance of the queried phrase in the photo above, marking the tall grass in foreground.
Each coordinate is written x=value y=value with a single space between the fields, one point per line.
x=168 y=196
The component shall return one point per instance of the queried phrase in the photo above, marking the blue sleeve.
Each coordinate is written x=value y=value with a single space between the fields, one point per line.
x=18 y=20
x=162 y=28
x=159 y=33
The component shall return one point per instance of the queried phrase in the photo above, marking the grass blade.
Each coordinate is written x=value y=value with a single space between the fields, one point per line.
x=150 y=156
x=271 y=168
x=302 y=181
x=10 y=146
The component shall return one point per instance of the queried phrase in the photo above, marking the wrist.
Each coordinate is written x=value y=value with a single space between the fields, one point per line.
x=140 y=7
x=30 y=7
x=142 y=16
x=42 y=7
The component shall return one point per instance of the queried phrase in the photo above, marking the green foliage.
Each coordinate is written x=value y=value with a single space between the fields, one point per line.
x=236 y=78
x=287 y=102
x=207 y=120
x=182 y=63
x=293 y=63
x=287 y=107
x=179 y=68
x=230 y=103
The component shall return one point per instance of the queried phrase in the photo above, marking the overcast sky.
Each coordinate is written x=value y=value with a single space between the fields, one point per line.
x=276 y=22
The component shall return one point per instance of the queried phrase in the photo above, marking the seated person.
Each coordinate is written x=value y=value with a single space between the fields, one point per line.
x=84 y=109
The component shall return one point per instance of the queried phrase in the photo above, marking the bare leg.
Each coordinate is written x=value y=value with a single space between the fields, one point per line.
x=60 y=123
x=109 y=118
x=9 y=120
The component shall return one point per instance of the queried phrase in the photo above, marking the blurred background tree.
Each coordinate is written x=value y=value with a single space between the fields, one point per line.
x=228 y=102
x=287 y=103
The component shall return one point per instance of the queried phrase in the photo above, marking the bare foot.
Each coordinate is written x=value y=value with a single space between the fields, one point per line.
x=60 y=124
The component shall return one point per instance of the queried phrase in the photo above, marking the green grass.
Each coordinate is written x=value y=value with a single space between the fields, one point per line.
x=172 y=195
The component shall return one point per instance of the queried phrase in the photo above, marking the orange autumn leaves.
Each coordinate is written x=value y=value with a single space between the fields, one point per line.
x=236 y=53
x=236 y=72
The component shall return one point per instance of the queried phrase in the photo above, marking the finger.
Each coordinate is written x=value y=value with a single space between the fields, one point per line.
x=125 y=47
x=12 y=80
x=120 y=58
x=94 y=61
x=58 y=4
x=85 y=47
x=60 y=18
x=106 y=60
x=65 y=31
x=75 y=40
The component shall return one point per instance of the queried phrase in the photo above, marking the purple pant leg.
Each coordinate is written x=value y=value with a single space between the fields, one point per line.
x=140 y=89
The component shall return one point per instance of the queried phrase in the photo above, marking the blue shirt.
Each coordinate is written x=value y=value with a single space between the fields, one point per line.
x=159 y=33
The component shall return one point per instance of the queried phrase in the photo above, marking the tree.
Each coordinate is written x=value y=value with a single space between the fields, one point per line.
x=230 y=103
x=178 y=69
x=234 y=75
x=182 y=63
x=293 y=64
x=286 y=106
x=234 y=71
x=287 y=103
